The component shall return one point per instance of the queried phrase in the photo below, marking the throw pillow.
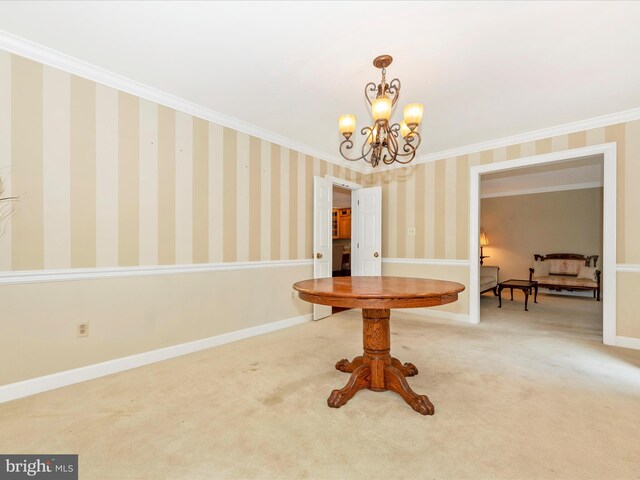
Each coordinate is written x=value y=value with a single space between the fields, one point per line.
x=541 y=268
x=587 y=272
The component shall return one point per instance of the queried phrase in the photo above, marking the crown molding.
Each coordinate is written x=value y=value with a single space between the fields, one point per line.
x=53 y=58
x=563 y=129
x=34 y=51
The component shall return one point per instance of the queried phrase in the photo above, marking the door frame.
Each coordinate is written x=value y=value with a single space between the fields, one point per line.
x=346 y=184
x=609 y=223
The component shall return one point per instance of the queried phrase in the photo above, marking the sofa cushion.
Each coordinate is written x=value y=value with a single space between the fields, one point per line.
x=564 y=266
x=587 y=272
x=541 y=268
x=566 y=281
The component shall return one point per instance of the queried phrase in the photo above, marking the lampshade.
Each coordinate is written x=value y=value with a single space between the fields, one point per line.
x=347 y=124
x=413 y=114
x=484 y=241
x=381 y=108
x=404 y=129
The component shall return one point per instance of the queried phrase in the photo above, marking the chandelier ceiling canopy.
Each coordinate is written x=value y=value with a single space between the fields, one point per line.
x=381 y=141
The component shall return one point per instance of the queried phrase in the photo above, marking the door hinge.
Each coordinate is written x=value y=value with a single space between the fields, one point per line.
x=358 y=202
x=358 y=245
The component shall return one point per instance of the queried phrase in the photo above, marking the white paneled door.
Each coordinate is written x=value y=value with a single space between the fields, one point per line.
x=367 y=232
x=322 y=242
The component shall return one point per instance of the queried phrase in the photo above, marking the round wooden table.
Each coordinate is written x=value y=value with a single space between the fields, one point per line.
x=376 y=369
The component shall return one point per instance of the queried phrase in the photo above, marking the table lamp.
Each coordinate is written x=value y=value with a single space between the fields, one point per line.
x=484 y=241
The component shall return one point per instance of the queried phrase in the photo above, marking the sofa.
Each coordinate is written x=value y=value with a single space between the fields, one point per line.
x=566 y=271
x=489 y=279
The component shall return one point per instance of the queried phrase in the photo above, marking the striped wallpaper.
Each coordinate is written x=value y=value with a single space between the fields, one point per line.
x=108 y=179
x=434 y=197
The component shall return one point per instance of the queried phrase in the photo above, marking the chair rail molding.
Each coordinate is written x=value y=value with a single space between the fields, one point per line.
x=628 y=267
x=63 y=275
x=428 y=261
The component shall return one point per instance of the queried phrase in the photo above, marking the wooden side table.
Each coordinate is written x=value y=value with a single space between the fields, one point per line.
x=525 y=285
x=376 y=369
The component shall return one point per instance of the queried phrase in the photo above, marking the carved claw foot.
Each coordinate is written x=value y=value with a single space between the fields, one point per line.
x=395 y=381
x=359 y=379
x=422 y=405
x=407 y=369
x=338 y=398
x=346 y=366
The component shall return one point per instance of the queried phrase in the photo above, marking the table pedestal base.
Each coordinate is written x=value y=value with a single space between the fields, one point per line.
x=376 y=369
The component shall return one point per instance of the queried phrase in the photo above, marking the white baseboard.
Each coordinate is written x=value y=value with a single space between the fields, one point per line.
x=32 y=386
x=628 y=342
x=431 y=312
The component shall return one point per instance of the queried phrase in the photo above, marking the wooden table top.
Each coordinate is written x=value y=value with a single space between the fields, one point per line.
x=378 y=292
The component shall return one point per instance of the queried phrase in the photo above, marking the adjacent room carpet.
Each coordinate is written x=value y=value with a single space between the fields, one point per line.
x=526 y=395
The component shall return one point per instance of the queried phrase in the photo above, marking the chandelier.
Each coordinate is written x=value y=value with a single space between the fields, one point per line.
x=381 y=143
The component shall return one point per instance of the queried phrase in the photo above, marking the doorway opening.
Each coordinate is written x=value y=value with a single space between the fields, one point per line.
x=608 y=288
x=553 y=211
x=341 y=232
x=360 y=229
x=341 y=236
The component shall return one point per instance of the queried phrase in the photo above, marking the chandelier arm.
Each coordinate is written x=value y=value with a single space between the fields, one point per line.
x=394 y=89
x=392 y=142
x=366 y=145
x=369 y=87
x=390 y=145
x=348 y=145
x=409 y=148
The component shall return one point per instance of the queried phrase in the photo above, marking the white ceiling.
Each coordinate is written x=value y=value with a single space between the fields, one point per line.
x=483 y=70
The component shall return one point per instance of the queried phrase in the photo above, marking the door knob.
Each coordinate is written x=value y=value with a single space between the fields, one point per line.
x=375 y=254
x=318 y=255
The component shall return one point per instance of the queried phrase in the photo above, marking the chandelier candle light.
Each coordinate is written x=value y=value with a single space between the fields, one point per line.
x=381 y=143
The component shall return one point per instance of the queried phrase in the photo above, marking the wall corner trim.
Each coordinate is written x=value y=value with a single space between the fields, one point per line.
x=45 y=383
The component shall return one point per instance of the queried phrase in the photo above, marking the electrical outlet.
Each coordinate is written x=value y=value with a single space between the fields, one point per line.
x=411 y=231
x=83 y=329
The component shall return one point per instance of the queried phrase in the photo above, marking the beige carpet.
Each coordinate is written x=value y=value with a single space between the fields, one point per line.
x=522 y=395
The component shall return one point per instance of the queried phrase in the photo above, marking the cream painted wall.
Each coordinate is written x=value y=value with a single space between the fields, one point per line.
x=518 y=226
x=134 y=315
